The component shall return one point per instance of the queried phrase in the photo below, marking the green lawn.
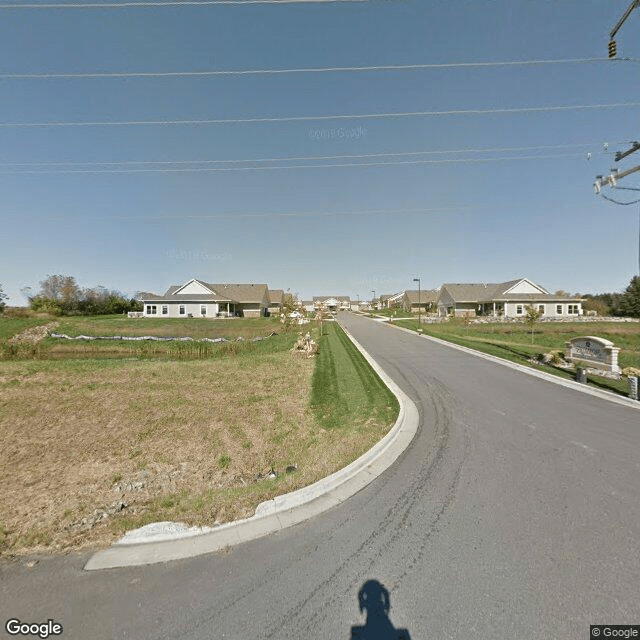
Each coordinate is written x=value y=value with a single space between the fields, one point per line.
x=10 y=327
x=345 y=388
x=512 y=341
x=118 y=325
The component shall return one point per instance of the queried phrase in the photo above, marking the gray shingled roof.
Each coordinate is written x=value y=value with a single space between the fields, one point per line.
x=426 y=295
x=241 y=293
x=490 y=292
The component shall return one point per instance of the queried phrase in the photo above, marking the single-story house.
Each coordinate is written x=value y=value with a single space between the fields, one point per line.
x=505 y=299
x=331 y=303
x=205 y=300
x=276 y=298
x=414 y=300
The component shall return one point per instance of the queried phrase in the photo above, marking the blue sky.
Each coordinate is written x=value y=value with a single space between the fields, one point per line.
x=471 y=197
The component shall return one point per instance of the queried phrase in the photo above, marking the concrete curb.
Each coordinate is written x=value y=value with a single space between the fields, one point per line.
x=283 y=511
x=606 y=395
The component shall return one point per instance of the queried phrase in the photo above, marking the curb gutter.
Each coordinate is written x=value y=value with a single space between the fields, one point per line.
x=571 y=384
x=283 y=511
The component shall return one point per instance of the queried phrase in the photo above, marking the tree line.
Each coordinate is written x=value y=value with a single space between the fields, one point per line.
x=61 y=295
x=626 y=304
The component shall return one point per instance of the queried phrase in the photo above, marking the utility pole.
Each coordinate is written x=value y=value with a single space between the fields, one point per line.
x=615 y=175
x=419 y=301
x=612 y=43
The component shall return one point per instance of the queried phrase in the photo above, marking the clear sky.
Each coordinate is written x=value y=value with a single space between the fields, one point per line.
x=446 y=197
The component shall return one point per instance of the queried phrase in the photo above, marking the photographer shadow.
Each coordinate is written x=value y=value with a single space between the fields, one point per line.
x=374 y=599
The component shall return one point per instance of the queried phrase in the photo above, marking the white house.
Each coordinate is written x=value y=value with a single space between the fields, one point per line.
x=332 y=303
x=505 y=299
x=205 y=300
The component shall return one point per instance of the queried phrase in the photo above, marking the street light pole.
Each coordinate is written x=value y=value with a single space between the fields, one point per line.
x=419 y=303
x=374 y=296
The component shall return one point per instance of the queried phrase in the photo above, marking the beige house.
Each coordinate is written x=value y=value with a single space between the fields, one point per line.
x=412 y=300
x=505 y=299
x=198 y=299
x=276 y=299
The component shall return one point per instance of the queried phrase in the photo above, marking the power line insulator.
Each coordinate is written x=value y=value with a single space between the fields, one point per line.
x=612 y=49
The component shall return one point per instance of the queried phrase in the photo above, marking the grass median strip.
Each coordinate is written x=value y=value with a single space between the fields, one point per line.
x=96 y=446
x=512 y=341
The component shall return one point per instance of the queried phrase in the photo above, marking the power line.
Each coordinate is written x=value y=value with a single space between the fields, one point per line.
x=370 y=116
x=299 y=158
x=617 y=201
x=275 y=214
x=246 y=72
x=297 y=166
x=167 y=3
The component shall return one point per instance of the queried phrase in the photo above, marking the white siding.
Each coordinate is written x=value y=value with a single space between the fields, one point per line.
x=173 y=309
x=193 y=287
x=524 y=286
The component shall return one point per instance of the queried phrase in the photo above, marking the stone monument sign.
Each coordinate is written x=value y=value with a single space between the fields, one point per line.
x=596 y=353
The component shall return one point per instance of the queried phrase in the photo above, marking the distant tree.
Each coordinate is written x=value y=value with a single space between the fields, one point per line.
x=595 y=303
x=630 y=300
x=61 y=295
x=3 y=297
x=531 y=318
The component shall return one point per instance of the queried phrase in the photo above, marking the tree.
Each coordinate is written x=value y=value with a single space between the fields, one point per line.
x=532 y=316
x=630 y=300
x=3 y=297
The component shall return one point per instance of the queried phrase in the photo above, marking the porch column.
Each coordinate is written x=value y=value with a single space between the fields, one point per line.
x=494 y=309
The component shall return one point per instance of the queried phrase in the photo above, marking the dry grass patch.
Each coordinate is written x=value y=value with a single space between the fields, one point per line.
x=95 y=447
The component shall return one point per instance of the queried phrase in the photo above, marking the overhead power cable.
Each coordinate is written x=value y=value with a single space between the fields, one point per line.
x=355 y=116
x=297 y=166
x=297 y=158
x=618 y=202
x=151 y=4
x=248 y=72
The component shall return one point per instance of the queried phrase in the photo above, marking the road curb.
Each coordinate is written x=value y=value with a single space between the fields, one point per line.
x=283 y=511
x=571 y=384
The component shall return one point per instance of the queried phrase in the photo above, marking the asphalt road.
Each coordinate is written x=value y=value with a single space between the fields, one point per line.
x=515 y=513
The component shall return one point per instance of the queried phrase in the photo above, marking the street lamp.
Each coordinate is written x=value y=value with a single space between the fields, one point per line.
x=374 y=296
x=419 y=309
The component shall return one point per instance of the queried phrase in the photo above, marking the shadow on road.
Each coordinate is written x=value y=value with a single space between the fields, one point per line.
x=374 y=598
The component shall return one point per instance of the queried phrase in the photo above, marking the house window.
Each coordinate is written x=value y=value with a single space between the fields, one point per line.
x=152 y=310
x=203 y=310
x=541 y=309
x=572 y=309
x=181 y=309
x=519 y=310
x=165 y=310
x=559 y=309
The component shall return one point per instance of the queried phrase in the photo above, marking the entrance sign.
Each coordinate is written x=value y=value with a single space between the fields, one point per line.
x=596 y=353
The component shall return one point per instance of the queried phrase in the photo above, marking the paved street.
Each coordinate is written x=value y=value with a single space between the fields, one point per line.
x=515 y=513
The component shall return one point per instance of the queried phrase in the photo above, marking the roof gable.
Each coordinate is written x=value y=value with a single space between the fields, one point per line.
x=520 y=286
x=191 y=287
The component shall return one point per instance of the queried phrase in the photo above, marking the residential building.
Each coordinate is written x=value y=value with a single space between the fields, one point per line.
x=197 y=298
x=506 y=299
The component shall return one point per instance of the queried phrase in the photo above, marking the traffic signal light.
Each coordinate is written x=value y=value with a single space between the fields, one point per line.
x=612 y=49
